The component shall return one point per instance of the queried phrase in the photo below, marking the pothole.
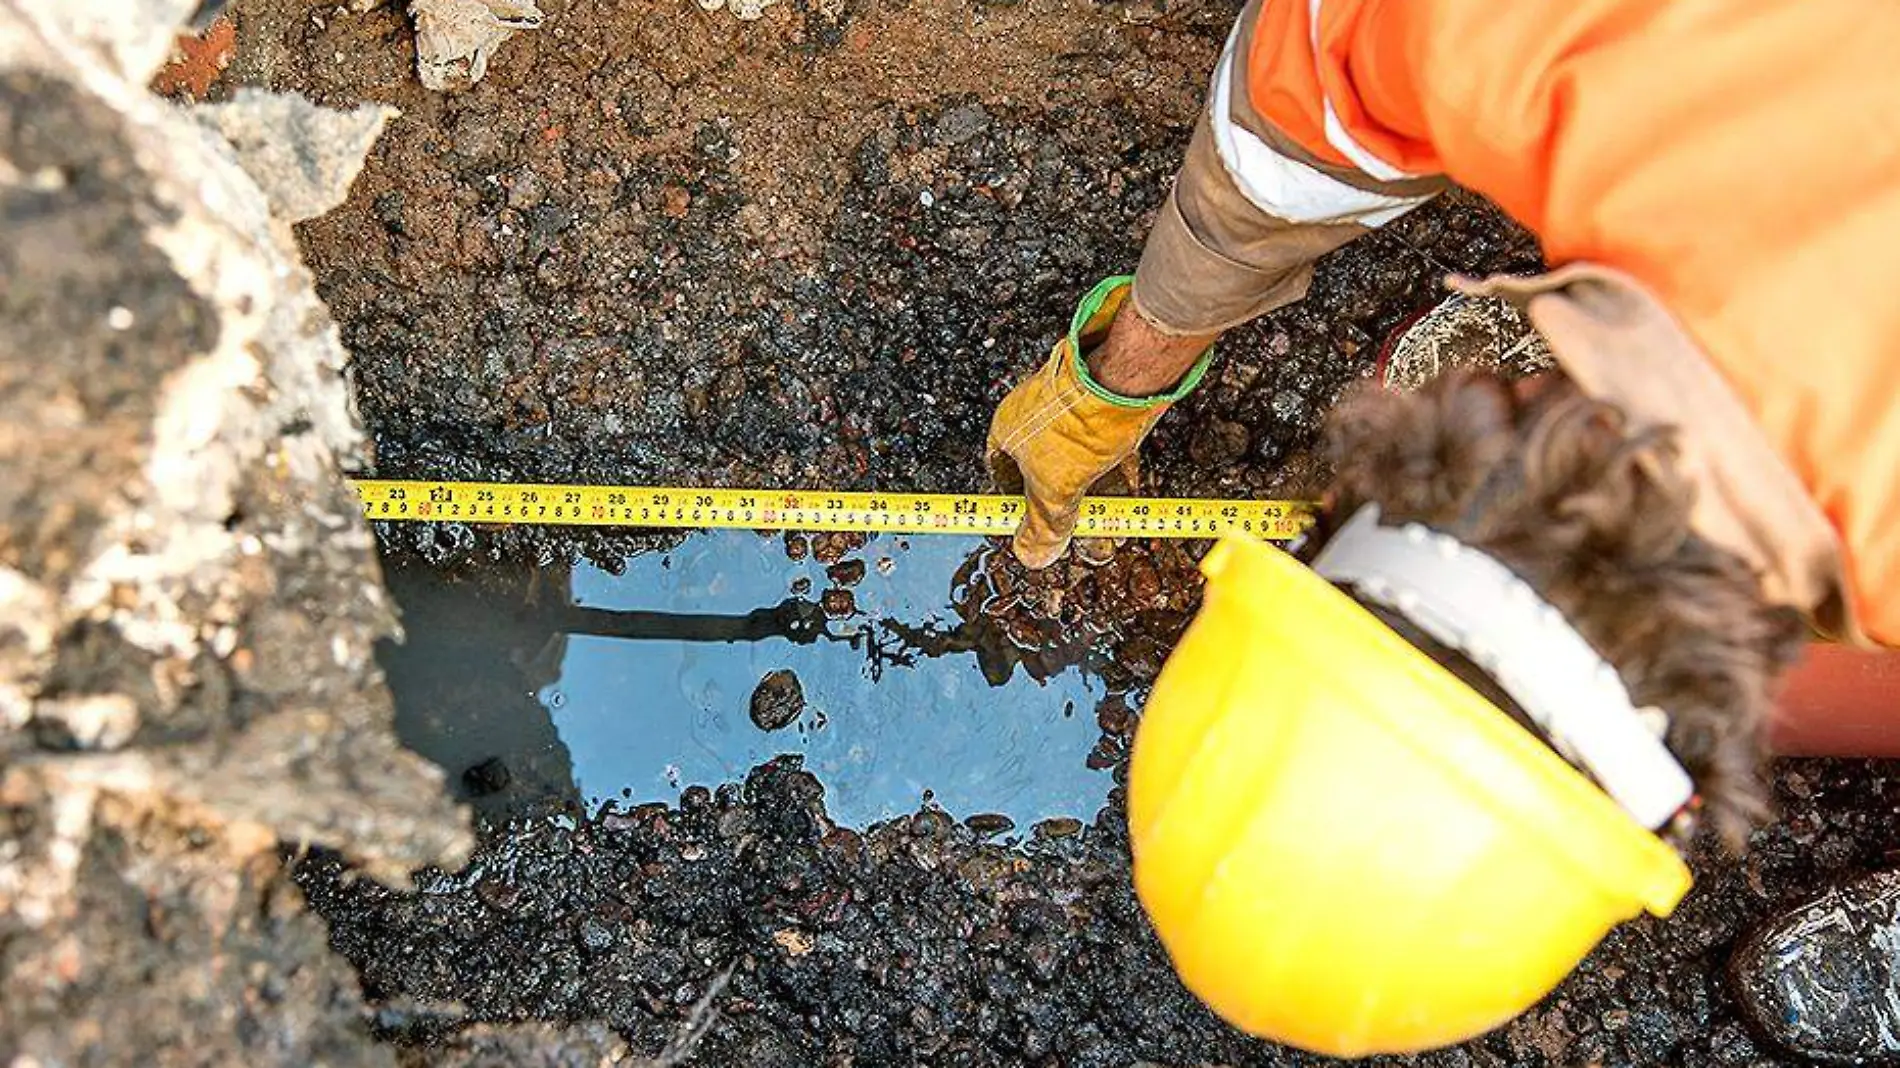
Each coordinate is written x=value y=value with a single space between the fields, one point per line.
x=872 y=663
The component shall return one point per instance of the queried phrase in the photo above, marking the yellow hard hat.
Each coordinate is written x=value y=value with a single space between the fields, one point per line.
x=1345 y=848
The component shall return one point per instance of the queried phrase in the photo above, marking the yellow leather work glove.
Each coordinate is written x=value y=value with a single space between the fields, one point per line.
x=1060 y=434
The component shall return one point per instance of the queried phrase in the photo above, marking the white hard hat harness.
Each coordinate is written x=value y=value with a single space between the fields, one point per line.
x=1469 y=602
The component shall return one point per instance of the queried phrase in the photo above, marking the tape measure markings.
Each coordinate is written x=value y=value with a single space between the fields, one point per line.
x=664 y=507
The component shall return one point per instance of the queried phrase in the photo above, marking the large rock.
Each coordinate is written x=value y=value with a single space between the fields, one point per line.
x=188 y=596
x=456 y=38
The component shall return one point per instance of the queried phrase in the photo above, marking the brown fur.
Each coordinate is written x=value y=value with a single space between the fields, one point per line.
x=1594 y=516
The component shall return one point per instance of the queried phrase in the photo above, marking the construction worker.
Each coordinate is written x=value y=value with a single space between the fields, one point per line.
x=1629 y=550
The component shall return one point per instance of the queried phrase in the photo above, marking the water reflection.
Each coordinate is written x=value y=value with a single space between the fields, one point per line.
x=637 y=685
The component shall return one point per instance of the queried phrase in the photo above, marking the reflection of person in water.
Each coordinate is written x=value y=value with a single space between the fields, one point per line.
x=475 y=656
x=478 y=653
x=883 y=642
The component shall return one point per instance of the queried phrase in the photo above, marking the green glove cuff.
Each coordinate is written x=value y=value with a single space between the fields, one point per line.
x=1085 y=312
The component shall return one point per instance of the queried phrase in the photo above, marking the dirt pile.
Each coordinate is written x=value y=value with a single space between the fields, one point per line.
x=190 y=599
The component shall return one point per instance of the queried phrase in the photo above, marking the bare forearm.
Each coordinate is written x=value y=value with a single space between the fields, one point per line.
x=1138 y=360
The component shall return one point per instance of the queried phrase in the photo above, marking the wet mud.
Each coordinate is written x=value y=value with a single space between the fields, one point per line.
x=657 y=245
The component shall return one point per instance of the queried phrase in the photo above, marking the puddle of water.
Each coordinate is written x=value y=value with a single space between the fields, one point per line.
x=590 y=686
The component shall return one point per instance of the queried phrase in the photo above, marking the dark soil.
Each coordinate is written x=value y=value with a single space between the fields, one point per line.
x=657 y=245
x=916 y=943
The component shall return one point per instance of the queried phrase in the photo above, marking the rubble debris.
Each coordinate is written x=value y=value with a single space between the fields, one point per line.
x=302 y=156
x=456 y=38
x=743 y=10
x=190 y=594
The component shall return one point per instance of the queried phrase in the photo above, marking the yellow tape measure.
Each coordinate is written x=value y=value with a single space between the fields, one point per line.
x=692 y=508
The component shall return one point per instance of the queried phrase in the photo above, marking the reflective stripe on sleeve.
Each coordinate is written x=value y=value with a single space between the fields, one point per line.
x=1336 y=133
x=1285 y=187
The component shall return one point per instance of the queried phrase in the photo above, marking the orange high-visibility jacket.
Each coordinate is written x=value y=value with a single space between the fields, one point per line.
x=1740 y=158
